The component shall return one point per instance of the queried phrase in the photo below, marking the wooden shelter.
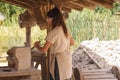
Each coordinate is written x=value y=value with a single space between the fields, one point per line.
x=36 y=11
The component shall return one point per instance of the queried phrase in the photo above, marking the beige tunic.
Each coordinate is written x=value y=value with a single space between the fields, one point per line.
x=60 y=50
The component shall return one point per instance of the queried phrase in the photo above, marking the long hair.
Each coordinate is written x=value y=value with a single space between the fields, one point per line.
x=57 y=19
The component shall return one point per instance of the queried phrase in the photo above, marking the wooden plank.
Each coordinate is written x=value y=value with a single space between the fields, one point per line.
x=108 y=76
x=76 y=74
x=28 y=37
x=117 y=0
x=66 y=9
x=39 y=18
x=98 y=73
x=101 y=79
x=116 y=70
x=110 y=1
x=24 y=2
x=98 y=64
x=72 y=6
x=59 y=1
x=17 y=3
x=102 y=3
x=10 y=72
x=97 y=70
x=84 y=4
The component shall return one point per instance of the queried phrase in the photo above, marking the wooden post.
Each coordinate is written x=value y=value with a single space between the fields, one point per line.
x=28 y=37
x=116 y=70
x=48 y=58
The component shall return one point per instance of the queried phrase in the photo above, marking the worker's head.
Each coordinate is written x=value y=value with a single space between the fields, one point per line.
x=55 y=17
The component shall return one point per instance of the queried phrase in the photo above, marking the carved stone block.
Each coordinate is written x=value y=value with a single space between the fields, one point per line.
x=22 y=58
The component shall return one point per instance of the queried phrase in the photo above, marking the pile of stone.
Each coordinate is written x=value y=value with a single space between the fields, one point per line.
x=105 y=53
x=2 y=17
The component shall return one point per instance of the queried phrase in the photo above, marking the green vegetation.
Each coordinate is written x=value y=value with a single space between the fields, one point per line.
x=11 y=12
x=89 y=24
x=15 y=36
x=85 y=25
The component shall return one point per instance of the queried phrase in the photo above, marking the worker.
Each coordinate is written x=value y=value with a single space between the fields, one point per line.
x=59 y=40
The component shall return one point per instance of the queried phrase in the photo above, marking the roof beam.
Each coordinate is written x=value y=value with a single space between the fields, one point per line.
x=17 y=3
x=117 y=0
x=73 y=6
x=31 y=3
x=58 y=1
x=102 y=3
x=84 y=4
x=110 y=1
x=66 y=9
x=42 y=2
x=23 y=2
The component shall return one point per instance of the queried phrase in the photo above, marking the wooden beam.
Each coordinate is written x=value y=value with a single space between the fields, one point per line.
x=110 y=1
x=58 y=1
x=72 y=6
x=117 y=0
x=42 y=2
x=17 y=3
x=39 y=18
x=102 y=3
x=32 y=3
x=24 y=2
x=28 y=37
x=66 y=9
x=84 y=4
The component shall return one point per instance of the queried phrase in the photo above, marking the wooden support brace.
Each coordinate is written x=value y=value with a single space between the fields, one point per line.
x=116 y=70
x=39 y=18
x=28 y=37
x=77 y=74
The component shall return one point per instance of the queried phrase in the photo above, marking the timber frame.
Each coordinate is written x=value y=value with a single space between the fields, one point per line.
x=67 y=5
x=38 y=9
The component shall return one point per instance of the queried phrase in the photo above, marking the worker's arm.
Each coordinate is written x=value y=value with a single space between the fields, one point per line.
x=43 y=49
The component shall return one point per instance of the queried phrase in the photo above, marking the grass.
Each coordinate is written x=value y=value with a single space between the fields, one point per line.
x=89 y=24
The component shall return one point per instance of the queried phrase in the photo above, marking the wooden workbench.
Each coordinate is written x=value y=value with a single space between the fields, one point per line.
x=7 y=73
x=40 y=58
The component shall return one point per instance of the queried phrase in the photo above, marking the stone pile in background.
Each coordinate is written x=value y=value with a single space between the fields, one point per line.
x=105 y=53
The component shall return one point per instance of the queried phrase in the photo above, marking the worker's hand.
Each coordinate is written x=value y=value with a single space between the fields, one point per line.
x=37 y=43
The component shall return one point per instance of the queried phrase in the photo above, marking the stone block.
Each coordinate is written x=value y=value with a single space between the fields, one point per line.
x=22 y=58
